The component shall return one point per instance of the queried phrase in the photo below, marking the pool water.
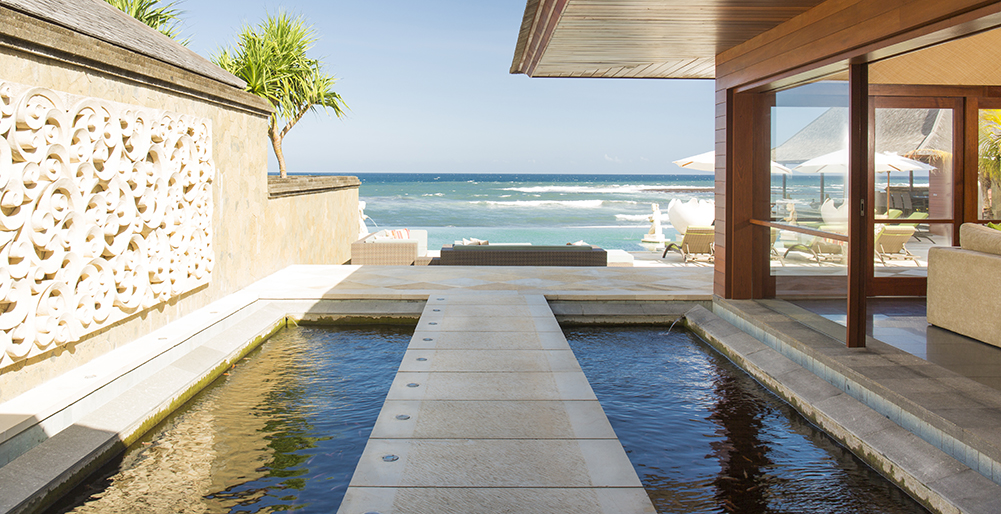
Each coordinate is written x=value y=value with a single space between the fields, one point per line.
x=282 y=431
x=706 y=437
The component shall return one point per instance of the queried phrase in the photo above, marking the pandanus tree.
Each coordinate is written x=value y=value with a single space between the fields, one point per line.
x=163 y=18
x=271 y=59
x=990 y=160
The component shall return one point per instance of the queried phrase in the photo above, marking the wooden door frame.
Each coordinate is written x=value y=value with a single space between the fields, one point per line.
x=971 y=212
x=920 y=97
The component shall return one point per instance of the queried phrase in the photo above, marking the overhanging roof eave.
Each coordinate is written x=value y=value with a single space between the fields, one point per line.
x=527 y=25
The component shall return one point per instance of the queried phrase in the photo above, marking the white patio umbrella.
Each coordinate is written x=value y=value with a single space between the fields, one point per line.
x=837 y=162
x=707 y=162
x=886 y=162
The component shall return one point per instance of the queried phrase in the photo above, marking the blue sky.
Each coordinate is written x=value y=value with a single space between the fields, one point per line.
x=429 y=91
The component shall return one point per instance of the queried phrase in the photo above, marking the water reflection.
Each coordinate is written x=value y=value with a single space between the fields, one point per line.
x=742 y=455
x=282 y=431
x=704 y=437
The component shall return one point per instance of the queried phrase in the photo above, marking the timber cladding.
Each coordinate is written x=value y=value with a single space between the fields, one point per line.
x=821 y=40
x=838 y=30
x=640 y=38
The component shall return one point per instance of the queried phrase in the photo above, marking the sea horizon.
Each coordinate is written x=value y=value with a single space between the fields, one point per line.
x=610 y=211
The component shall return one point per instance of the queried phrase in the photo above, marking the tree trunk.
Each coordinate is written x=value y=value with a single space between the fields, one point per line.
x=995 y=199
x=276 y=142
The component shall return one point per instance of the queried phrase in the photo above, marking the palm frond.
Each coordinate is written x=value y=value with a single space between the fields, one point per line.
x=163 y=18
x=990 y=144
x=271 y=59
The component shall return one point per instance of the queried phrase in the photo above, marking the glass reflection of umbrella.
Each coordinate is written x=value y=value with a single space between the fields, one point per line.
x=886 y=162
x=707 y=162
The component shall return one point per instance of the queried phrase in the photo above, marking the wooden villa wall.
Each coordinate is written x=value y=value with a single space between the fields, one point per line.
x=815 y=43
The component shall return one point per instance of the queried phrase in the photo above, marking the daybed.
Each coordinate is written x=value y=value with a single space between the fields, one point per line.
x=392 y=247
x=522 y=255
x=964 y=284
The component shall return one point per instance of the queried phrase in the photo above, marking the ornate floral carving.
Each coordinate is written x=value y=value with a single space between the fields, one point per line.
x=105 y=210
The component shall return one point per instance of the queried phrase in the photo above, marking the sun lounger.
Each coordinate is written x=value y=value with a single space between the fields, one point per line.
x=773 y=253
x=889 y=243
x=698 y=242
x=821 y=250
x=920 y=231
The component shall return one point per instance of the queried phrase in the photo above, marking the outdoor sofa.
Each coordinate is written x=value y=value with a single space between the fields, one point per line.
x=522 y=255
x=392 y=247
x=964 y=284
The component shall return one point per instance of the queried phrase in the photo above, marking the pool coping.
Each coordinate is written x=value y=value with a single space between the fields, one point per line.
x=937 y=480
x=149 y=378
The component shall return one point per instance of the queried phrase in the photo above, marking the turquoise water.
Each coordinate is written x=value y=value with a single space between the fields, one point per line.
x=609 y=211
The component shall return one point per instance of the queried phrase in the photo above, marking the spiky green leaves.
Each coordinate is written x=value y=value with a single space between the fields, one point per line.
x=990 y=143
x=271 y=59
x=163 y=18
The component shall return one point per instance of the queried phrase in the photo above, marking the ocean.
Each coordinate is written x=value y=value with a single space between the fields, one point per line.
x=610 y=211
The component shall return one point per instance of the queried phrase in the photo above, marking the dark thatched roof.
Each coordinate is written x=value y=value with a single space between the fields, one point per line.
x=900 y=131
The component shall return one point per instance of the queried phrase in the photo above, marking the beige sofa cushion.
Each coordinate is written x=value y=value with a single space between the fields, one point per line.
x=980 y=238
x=962 y=292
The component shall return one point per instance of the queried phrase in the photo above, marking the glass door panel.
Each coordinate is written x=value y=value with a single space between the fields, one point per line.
x=809 y=163
x=912 y=181
x=989 y=165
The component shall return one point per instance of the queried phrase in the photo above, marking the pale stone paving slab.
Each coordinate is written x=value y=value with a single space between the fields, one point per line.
x=492 y=420
x=494 y=500
x=489 y=360
x=490 y=412
x=417 y=282
x=495 y=463
x=490 y=386
x=430 y=339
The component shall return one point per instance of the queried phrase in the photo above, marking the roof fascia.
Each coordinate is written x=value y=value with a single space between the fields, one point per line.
x=537 y=27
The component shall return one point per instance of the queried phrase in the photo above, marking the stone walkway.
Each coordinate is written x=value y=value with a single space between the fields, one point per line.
x=490 y=412
x=417 y=282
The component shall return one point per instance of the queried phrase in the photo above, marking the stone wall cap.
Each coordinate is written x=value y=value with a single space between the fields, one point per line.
x=308 y=184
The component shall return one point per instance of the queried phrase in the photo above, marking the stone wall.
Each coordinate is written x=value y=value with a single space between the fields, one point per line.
x=252 y=234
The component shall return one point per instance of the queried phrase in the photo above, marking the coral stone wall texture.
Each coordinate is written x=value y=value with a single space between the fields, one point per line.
x=251 y=236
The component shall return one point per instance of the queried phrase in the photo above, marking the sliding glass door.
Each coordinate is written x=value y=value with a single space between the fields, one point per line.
x=912 y=190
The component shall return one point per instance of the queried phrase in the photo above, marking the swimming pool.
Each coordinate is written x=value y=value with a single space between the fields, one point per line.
x=704 y=436
x=286 y=427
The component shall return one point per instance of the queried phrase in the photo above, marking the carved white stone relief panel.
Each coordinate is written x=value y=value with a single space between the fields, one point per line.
x=106 y=210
